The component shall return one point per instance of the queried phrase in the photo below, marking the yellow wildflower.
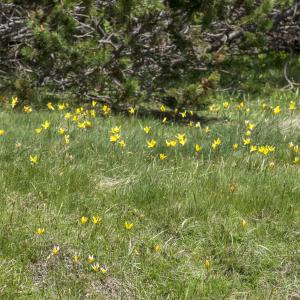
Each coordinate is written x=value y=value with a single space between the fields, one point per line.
x=157 y=248
x=250 y=126
x=114 y=138
x=198 y=148
x=131 y=110
x=27 y=109
x=33 y=159
x=66 y=139
x=128 y=225
x=116 y=129
x=225 y=105
x=94 y=103
x=216 y=143
x=243 y=224
x=2 y=132
x=206 y=129
x=248 y=133
x=106 y=110
x=14 y=102
x=235 y=147
x=182 y=141
x=91 y=259
x=171 y=143
x=183 y=114
x=253 y=148
x=180 y=136
x=232 y=188
x=38 y=130
x=263 y=149
x=292 y=105
x=61 y=106
x=81 y=125
x=78 y=110
x=207 y=264
x=93 y=113
x=122 y=144
x=97 y=220
x=50 y=106
x=147 y=129
x=46 y=125
x=151 y=143
x=87 y=124
x=84 y=220
x=68 y=116
x=247 y=141
x=162 y=156
x=55 y=250
x=76 y=258
x=165 y=120
x=40 y=231
x=296 y=160
x=276 y=110
x=240 y=106
x=61 y=131
x=271 y=148
x=95 y=267
x=162 y=108
x=214 y=108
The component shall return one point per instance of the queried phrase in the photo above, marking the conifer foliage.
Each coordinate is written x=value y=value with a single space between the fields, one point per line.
x=126 y=51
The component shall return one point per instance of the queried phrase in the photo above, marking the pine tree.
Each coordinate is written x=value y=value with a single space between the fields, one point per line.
x=127 y=51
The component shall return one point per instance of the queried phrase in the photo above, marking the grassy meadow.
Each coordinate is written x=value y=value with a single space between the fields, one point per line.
x=97 y=206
